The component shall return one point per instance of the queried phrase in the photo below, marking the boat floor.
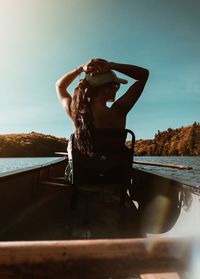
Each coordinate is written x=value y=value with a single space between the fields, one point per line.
x=97 y=215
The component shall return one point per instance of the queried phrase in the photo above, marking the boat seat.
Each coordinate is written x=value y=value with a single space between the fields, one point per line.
x=111 y=162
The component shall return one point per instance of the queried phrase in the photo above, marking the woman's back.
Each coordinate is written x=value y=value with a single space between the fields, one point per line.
x=105 y=117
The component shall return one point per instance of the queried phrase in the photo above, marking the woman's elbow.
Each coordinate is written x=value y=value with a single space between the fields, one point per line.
x=57 y=84
x=146 y=74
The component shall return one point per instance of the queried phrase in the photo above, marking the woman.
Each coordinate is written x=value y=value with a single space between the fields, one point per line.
x=87 y=108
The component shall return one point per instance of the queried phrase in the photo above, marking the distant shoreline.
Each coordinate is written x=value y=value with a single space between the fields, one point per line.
x=31 y=145
x=184 y=141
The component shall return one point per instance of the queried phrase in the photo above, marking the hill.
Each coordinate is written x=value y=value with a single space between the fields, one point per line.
x=30 y=145
x=172 y=142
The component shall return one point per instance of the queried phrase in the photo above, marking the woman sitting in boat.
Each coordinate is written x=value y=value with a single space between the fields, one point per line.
x=88 y=109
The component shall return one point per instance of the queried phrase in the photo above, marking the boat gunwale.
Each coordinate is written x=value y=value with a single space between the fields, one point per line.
x=141 y=255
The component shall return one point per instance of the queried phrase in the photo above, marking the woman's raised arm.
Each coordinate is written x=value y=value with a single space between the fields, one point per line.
x=130 y=97
x=61 y=88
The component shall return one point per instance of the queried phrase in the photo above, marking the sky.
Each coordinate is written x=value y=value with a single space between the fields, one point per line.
x=42 y=40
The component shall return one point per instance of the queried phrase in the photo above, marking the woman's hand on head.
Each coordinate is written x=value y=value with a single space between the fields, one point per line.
x=96 y=66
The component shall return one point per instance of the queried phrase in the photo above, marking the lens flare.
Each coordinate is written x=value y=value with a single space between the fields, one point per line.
x=194 y=271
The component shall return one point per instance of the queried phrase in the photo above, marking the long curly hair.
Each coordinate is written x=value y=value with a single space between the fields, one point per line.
x=83 y=118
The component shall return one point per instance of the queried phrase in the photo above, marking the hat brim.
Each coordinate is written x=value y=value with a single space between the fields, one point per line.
x=103 y=78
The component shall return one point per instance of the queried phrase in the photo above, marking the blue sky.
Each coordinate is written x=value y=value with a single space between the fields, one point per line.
x=42 y=40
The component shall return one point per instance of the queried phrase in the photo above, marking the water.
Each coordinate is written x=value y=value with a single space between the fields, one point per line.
x=10 y=165
x=190 y=177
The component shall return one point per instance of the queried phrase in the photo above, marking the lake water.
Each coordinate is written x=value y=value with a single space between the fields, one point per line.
x=10 y=165
x=190 y=177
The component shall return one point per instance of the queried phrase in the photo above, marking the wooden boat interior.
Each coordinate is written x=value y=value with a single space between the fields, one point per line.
x=155 y=232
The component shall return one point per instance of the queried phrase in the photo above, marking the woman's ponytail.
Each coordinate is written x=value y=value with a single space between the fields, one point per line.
x=82 y=117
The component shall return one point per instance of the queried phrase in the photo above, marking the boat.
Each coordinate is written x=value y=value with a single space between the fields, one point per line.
x=41 y=236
